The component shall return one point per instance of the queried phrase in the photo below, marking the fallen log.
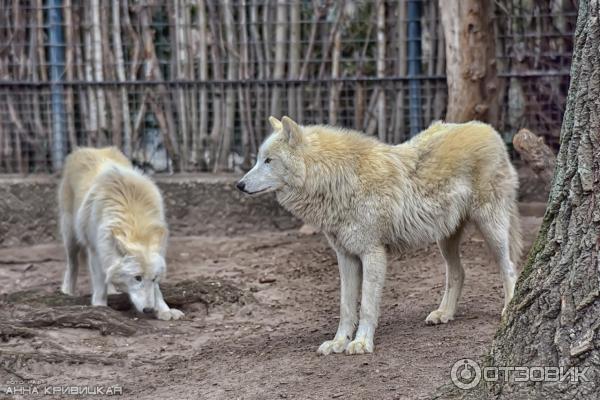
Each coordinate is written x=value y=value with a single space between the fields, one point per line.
x=13 y=356
x=38 y=309
x=209 y=292
x=103 y=319
x=8 y=331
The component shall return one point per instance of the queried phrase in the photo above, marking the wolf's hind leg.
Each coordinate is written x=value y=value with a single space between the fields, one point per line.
x=350 y=279
x=455 y=276
x=72 y=249
x=494 y=227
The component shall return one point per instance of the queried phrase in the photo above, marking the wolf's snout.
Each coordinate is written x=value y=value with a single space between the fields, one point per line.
x=148 y=310
x=241 y=186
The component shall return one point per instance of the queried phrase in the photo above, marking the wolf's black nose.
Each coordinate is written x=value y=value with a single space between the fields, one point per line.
x=148 y=310
x=241 y=186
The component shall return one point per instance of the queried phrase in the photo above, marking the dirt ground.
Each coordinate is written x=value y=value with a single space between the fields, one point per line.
x=265 y=346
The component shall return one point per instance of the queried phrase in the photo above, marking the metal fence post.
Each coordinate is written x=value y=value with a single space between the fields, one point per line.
x=414 y=66
x=57 y=69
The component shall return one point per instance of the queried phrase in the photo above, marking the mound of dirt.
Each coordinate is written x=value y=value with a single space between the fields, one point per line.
x=208 y=292
x=35 y=308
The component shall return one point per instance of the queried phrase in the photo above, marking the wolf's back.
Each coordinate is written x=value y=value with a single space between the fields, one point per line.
x=81 y=168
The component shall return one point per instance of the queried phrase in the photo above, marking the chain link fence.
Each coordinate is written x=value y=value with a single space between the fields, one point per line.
x=187 y=85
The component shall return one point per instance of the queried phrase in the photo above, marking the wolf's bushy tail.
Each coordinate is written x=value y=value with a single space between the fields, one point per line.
x=515 y=239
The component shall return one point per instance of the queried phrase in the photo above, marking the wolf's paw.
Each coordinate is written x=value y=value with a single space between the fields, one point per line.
x=171 y=313
x=332 y=346
x=439 y=317
x=360 y=346
x=67 y=290
x=110 y=289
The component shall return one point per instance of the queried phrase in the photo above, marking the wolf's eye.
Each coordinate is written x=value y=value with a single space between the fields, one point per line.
x=267 y=160
x=138 y=278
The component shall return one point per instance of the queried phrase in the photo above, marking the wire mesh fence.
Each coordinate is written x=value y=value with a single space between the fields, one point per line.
x=187 y=85
x=534 y=42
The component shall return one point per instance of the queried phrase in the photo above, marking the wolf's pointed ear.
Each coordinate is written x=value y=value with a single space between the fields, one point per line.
x=120 y=240
x=292 y=131
x=111 y=272
x=275 y=123
x=158 y=235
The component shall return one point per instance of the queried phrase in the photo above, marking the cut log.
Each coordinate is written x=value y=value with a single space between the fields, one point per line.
x=536 y=154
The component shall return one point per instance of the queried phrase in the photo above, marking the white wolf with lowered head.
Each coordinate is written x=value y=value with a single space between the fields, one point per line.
x=370 y=198
x=113 y=216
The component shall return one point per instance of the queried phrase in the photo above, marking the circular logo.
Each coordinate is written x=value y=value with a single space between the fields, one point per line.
x=465 y=374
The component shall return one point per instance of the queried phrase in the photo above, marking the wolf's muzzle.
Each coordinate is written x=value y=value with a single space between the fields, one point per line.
x=241 y=186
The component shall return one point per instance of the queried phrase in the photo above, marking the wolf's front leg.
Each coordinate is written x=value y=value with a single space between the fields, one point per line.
x=374 y=267
x=162 y=309
x=350 y=278
x=98 y=277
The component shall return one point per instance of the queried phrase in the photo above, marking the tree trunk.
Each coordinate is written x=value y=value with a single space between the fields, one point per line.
x=80 y=68
x=294 y=67
x=261 y=71
x=400 y=131
x=553 y=318
x=281 y=32
x=69 y=63
x=381 y=108
x=160 y=101
x=115 y=117
x=245 y=102
x=120 y=67
x=201 y=133
x=471 y=60
x=222 y=163
x=217 y=97
x=334 y=95
x=98 y=59
x=92 y=136
x=182 y=51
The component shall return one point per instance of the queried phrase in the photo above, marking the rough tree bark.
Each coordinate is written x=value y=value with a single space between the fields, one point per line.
x=182 y=52
x=222 y=163
x=399 y=130
x=201 y=134
x=281 y=32
x=381 y=107
x=553 y=319
x=294 y=92
x=334 y=96
x=471 y=60
x=217 y=95
x=120 y=69
x=97 y=58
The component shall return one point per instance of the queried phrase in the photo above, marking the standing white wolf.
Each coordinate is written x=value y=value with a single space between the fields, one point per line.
x=114 y=215
x=370 y=198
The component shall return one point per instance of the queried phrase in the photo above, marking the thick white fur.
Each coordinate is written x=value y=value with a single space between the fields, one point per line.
x=113 y=216
x=370 y=198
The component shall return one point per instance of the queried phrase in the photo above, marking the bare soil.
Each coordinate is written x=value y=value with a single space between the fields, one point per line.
x=264 y=346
